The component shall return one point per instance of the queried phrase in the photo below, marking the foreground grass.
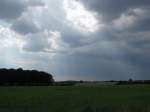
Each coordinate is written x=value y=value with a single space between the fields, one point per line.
x=75 y=99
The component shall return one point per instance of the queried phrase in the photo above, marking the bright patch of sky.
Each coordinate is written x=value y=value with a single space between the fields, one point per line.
x=81 y=18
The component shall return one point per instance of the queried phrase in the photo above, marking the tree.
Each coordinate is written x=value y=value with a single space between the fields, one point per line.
x=25 y=77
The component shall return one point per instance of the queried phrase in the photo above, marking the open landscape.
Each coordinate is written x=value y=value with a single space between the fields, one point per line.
x=117 y=98
x=74 y=55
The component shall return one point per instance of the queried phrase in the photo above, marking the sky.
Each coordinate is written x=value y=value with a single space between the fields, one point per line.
x=77 y=39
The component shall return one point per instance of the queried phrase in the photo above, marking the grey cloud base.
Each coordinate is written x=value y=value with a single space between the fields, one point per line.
x=119 y=50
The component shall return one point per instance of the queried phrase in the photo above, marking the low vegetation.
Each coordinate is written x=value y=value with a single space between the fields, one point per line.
x=116 y=98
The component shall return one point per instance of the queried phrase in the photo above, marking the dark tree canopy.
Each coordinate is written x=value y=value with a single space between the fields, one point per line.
x=24 y=77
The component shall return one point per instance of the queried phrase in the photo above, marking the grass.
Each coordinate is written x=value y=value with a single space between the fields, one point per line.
x=76 y=99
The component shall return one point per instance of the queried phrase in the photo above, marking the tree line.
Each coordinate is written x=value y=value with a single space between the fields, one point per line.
x=10 y=77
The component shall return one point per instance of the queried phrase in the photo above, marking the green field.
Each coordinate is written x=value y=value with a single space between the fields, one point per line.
x=76 y=99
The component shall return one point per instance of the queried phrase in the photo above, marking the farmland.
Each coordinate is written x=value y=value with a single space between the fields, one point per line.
x=116 y=98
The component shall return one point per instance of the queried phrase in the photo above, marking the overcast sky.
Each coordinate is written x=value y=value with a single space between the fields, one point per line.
x=77 y=39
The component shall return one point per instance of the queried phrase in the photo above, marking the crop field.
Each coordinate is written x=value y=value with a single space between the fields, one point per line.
x=123 y=98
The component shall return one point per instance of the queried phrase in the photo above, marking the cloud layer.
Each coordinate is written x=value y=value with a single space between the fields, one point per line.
x=77 y=39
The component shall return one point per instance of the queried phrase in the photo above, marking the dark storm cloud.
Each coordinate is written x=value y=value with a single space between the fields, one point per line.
x=142 y=25
x=24 y=26
x=116 y=52
x=134 y=15
x=35 y=3
x=73 y=38
x=12 y=9
x=36 y=42
x=119 y=50
x=13 y=12
x=113 y=9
